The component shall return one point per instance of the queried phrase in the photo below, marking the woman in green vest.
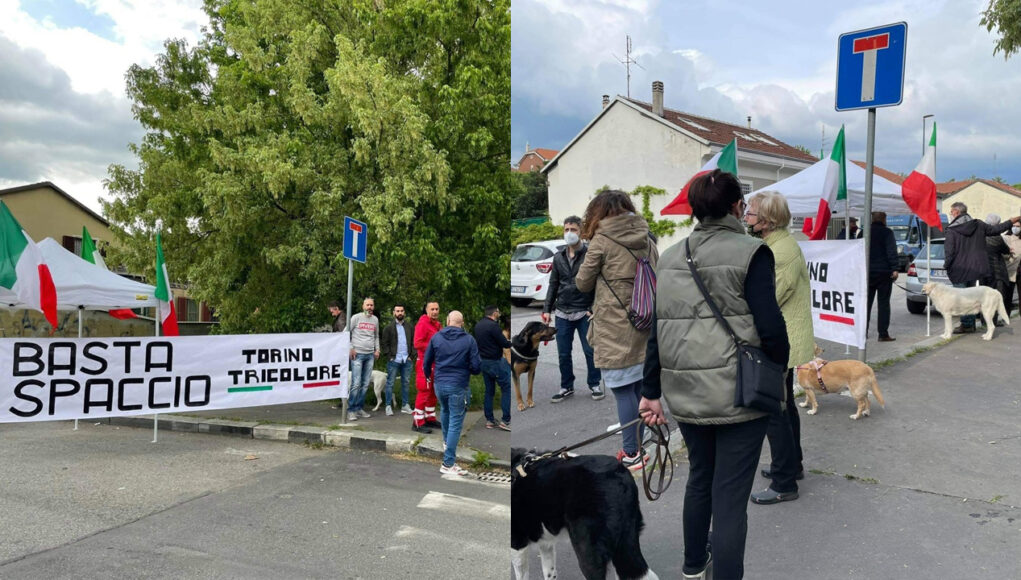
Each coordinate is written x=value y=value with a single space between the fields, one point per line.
x=768 y=217
x=691 y=362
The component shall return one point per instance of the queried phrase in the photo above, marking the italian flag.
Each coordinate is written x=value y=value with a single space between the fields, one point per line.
x=91 y=255
x=168 y=318
x=834 y=188
x=725 y=160
x=22 y=269
x=919 y=189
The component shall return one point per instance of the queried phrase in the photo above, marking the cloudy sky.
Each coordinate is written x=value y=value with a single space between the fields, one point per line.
x=775 y=61
x=64 y=116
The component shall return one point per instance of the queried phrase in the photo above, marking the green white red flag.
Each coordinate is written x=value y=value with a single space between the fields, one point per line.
x=834 y=188
x=91 y=255
x=23 y=270
x=165 y=296
x=919 y=189
x=725 y=160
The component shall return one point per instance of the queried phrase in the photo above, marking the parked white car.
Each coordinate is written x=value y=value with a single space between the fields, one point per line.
x=531 y=265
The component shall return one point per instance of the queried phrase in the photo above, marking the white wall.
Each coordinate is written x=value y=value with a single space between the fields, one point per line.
x=983 y=200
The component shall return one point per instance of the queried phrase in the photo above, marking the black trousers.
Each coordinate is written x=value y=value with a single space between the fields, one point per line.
x=882 y=283
x=723 y=460
x=784 y=435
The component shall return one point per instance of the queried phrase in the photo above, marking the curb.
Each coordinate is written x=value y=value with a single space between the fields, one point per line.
x=304 y=434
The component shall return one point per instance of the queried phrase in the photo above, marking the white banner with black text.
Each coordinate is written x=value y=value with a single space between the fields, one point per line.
x=836 y=271
x=89 y=378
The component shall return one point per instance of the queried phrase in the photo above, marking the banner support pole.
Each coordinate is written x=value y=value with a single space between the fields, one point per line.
x=155 y=421
x=81 y=310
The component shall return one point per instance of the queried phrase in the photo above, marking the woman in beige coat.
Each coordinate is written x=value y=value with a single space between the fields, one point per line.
x=767 y=217
x=616 y=236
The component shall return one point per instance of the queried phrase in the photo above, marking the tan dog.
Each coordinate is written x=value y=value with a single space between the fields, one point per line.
x=952 y=302
x=525 y=357
x=825 y=377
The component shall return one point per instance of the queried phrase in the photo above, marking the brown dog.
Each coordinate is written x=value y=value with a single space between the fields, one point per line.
x=824 y=377
x=525 y=356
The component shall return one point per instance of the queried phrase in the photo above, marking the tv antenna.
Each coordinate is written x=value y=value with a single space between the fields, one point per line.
x=627 y=61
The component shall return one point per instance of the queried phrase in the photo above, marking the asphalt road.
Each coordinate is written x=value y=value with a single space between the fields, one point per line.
x=926 y=488
x=104 y=502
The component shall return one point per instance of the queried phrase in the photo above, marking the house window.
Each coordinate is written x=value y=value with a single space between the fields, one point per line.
x=746 y=187
x=72 y=244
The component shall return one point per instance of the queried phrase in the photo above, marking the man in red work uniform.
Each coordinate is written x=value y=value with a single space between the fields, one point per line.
x=424 y=416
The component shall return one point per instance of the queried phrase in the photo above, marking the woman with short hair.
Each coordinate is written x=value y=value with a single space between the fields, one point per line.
x=768 y=217
x=691 y=361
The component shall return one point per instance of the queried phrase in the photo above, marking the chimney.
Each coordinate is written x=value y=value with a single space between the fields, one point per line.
x=527 y=148
x=606 y=101
x=749 y=121
x=657 y=97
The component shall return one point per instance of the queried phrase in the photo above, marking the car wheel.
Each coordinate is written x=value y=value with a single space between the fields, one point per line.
x=916 y=307
x=521 y=302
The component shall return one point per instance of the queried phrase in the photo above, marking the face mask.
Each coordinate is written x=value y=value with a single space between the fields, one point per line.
x=1015 y=230
x=571 y=238
x=752 y=232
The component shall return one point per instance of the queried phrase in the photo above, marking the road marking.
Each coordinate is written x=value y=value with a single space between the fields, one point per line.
x=456 y=504
x=494 y=550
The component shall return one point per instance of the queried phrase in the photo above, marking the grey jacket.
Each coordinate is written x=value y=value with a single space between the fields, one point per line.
x=697 y=355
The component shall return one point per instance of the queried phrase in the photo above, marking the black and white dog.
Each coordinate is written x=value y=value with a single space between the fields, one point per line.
x=594 y=498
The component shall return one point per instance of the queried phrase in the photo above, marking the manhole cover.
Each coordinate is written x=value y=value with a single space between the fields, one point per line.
x=494 y=477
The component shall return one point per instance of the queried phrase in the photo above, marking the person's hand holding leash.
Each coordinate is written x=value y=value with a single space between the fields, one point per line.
x=651 y=412
x=545 y=317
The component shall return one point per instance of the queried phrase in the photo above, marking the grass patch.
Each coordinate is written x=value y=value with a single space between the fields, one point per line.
x=996 y=499
x=318 y=445
x=821 y=472
x=482 y=460
x=870 y=480
x=915 y=351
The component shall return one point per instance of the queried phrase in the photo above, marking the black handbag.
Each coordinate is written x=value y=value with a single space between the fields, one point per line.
x=759 y=379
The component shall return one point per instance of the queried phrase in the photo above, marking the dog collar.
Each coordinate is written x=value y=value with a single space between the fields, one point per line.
x=515 y=351
x=817 y=367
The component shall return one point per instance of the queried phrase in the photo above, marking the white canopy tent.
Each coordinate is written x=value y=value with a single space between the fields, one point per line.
x=83 y=285
x=803 y=190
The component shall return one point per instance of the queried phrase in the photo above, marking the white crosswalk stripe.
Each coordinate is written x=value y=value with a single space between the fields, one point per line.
x=456 y=504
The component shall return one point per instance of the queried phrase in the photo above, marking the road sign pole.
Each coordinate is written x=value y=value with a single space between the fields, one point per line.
x=347 y=328
x=870 y=154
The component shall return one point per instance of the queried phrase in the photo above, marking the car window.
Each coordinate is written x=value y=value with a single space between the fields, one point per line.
x=900 y=233
x=937 y=252
x=529 y=253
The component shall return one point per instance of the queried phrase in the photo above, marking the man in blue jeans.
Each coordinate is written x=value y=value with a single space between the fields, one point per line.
x=364 y=352
x=398 y=350
x=572 y=309
x=455 y=356
x=495 y=368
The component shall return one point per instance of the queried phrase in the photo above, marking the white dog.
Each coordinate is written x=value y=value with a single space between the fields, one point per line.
x=378 y=385
x=954 y=302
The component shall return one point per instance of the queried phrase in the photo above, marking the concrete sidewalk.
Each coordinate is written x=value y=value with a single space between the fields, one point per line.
x=319 y=423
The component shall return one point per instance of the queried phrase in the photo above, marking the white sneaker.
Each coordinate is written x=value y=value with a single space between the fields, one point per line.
x=614 y=426
x=454 y=469
x=389 y=411
x=352 y=416
x=406 y=410
x=363 y=414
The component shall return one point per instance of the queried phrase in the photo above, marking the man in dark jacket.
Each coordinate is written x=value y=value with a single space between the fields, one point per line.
x=883 y=265
x=455 y=356
x=339 y=320
x=572 y=309
x=495 y=369
x=397 y=346
x=998 y=252
x=855 y=232
x=966 y=259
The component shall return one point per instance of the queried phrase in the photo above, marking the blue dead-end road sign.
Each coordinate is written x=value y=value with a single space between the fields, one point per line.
x=355 y=235
x=870 y=67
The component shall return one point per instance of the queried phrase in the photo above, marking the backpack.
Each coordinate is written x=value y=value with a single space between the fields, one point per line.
x=643 y=296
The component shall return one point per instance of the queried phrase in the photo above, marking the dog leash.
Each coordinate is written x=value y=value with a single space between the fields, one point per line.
x=661 y=458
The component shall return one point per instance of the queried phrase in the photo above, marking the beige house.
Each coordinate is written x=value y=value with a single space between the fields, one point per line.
x=45 y=210
x=632 y=143
x=982 y=196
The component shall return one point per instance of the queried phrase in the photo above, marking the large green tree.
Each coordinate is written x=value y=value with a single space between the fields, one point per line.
x=1005 y=17
x=531 y=198
x=288 y=116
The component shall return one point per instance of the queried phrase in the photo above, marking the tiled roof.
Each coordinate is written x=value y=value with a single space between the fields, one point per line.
x=885 y=174
x=546 y=154
x=721 y=133
x=951 y=187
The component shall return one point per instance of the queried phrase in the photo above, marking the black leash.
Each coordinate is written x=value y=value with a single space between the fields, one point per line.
x=660 y=460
